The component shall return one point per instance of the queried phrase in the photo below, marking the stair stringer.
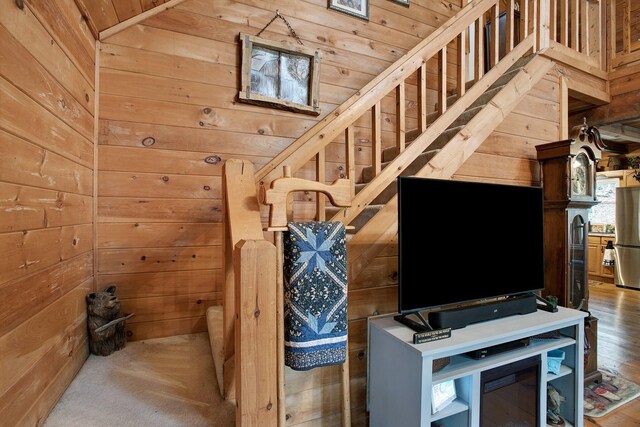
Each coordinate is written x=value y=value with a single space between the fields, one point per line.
x=422 y=143
x=383 y=227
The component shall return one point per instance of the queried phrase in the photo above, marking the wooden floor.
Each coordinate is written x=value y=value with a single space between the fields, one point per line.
x=618 y=311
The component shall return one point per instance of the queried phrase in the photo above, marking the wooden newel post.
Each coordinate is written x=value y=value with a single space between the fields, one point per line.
x=255 y=336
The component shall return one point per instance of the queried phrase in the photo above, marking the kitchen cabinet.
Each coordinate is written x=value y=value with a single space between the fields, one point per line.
x=596 y=270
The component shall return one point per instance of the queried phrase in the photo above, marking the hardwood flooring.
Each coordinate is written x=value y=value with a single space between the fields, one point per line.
x=618 y=313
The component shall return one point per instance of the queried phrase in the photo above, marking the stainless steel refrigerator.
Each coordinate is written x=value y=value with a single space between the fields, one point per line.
x=628 y=237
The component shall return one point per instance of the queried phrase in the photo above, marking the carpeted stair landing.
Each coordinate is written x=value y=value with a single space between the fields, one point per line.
x=160 y=382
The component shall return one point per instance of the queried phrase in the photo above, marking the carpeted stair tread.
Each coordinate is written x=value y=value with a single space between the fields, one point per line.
x=421 y=160
x=390 y=153
x=411 y=170
x=360 y=220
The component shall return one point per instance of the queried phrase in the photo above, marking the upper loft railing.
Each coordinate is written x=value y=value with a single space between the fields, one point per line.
x=577 y=29
x=624 y=33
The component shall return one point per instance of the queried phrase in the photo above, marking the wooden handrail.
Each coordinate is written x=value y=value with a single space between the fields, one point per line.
x=404 y=159
x=316 y=138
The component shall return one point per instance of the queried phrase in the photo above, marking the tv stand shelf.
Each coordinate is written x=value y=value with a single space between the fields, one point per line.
x=400 y=374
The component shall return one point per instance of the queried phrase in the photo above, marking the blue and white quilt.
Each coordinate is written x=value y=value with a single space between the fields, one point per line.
x=315 y=295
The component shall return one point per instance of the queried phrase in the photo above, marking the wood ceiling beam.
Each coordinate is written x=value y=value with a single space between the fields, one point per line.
x=620 y=131
x=137 y=19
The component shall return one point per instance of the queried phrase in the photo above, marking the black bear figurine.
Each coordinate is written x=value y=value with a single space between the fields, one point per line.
x=106 y=326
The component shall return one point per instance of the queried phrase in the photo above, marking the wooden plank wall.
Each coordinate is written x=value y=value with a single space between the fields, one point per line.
x=168 y=103
x=47 y=70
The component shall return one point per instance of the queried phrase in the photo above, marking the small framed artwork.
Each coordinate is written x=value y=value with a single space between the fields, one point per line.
x=279 y=75
x=402 y=2
x=357 y=8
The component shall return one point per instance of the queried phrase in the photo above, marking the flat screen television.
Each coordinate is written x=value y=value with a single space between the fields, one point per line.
x=464 y=241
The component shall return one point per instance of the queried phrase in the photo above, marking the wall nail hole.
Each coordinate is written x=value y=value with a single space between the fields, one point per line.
x=212 y=160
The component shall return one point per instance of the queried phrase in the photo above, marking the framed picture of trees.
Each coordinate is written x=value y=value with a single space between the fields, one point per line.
x=279 y=75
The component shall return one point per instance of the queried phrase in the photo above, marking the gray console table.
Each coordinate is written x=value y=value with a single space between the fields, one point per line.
x=400 y=374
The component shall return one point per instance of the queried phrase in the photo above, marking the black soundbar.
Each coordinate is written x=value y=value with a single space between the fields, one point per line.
x=457 y=318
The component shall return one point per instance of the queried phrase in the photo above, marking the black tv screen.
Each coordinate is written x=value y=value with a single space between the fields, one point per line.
x=466 y=241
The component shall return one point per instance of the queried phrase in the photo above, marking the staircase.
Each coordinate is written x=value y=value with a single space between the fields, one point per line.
x=441 y=144
x=390 y=153
x=444 y=140
x=376 y=224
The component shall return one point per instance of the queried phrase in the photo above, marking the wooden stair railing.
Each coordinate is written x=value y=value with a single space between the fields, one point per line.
x=392 y=80
x=380 y=230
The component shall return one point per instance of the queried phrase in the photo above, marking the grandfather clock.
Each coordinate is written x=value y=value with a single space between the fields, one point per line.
x=569 y=187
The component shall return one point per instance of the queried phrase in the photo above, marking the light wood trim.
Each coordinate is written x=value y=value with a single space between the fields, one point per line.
x=87 y=17
x=442 y=81
x=242 y=213
x=376 y=137
x=96 y=136
x=333 y=124
x=393 y=169
x=625 y=59
x=553 y=14
x=350 y=144
x=543 y=28
x=510 y=23
x=575 y=25
x=535 y=23
x=400 y=117
x=255 y=338
x=345 y=388
x=321 y=177
x=137 y=19
x=626 y=28
x=611 y=16
x=278 y=194
x=495 y=28
x=479 y=48
x=568 y=56
x=282 y=410
x=524 y=19
x=564 y=22
x=563 y=100
x=584 y=27
x=422 y=98
x=461 y=73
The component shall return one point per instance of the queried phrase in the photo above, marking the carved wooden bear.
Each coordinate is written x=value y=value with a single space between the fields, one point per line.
x=106 y=326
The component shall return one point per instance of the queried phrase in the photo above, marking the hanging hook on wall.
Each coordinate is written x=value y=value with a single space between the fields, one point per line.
x=291 y=30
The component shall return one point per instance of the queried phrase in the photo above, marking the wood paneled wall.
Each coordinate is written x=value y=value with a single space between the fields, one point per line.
x=167 y=103
x=47 y=73
x=168 y=91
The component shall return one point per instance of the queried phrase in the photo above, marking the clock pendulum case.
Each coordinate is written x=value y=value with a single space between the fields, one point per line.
x=568 y=180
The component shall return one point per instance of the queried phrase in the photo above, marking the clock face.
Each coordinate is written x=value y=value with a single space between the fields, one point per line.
x=579 y=175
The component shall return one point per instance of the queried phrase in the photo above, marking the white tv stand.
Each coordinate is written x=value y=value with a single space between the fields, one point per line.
x=400 y=375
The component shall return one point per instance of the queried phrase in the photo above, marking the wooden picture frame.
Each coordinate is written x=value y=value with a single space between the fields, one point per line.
x=357 y=8
x=279 y=75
